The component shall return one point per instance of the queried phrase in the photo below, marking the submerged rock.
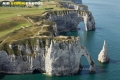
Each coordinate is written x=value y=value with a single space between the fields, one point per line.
x=103 y=55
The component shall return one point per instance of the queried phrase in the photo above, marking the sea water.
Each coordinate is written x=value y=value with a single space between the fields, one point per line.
x=107 y=19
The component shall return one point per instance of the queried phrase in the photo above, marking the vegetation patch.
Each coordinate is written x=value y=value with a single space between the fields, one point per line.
x=12 y=22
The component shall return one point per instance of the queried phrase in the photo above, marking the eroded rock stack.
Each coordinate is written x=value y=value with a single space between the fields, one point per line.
x=103 y=55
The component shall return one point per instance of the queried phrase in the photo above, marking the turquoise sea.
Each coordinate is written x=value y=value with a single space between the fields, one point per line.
x=107 y=18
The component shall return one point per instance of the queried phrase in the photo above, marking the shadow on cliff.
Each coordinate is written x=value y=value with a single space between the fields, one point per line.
x=2 y=76
x=71 y=33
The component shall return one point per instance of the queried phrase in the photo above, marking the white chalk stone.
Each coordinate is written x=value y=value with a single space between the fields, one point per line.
x=103 y=55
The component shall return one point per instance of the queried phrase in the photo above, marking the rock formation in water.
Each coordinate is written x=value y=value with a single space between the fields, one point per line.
x=103 y=55
x=68 y=20
x=58 y=56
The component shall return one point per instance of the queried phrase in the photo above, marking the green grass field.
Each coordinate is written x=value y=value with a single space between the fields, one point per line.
x=10 y=21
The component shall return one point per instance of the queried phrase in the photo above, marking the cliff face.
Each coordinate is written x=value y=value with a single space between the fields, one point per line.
x=59 y=56
x=64 y=58
x=23 y=58
x=68 y=20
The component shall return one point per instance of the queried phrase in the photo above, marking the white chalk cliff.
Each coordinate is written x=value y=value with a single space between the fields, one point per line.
x=64 y=58
x=68 y=20
x=103 y=55
x=54 y=57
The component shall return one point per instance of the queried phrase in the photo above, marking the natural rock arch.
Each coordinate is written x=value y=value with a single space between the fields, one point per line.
x=62 y=57
x=68 y=20
x=85 y=53
x=66 y=61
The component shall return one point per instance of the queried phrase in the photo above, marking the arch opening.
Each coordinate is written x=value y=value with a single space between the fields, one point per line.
x=36 y=71
x=86 y=54
x=81 y=26
x=84 y=64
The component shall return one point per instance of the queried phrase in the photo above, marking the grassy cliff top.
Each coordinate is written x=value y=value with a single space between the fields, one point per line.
x=18 y=25
x=12 y=18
